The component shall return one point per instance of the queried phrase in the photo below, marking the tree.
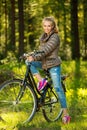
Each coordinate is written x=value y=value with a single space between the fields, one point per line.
x=85 y=25
x=21 y=28
x=13 y=25
x=5 y=12
x=74 y=30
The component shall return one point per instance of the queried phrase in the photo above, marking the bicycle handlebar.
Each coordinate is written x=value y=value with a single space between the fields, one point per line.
x=25 y=55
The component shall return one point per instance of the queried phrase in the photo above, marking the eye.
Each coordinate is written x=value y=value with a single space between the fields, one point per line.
x=44 y=25
x=49 y=25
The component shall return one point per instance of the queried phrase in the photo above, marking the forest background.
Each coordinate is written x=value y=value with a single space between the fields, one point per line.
x=20 y=26
x=20 y=29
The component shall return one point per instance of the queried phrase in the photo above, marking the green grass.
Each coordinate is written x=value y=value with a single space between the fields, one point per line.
x=76 y=96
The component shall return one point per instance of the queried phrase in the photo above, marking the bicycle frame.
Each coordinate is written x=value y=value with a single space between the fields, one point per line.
x=30 y=80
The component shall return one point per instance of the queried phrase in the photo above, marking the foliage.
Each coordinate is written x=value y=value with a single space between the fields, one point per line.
x=9 y=66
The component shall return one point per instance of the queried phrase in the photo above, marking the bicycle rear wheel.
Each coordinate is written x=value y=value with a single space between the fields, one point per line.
x=52 y=109
x=16 y=105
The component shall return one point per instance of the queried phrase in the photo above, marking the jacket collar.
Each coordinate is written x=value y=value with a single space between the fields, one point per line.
x=45 y=37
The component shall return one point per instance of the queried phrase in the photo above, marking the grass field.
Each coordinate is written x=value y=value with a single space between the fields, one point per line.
x=76 y=95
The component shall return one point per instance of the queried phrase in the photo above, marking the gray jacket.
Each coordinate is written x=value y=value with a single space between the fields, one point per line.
x=50 y=46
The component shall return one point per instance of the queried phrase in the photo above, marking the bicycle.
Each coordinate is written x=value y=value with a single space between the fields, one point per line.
x=20 y=98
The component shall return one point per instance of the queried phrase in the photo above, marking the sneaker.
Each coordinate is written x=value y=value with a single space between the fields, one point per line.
x=66 y=119
x=41 y=84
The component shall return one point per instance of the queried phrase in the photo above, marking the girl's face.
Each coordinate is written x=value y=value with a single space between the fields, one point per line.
x=47 y=27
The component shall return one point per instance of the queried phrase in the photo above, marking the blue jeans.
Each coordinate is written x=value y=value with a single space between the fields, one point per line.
x=55 y=73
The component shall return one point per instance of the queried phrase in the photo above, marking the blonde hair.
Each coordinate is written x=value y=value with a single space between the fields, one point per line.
x=51 y=19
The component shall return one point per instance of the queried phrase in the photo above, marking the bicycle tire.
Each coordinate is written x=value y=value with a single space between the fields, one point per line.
x=14 y=109
x=52 y=109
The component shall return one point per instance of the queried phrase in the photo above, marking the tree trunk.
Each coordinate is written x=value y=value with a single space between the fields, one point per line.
x=85 y=26
x=5 y=53
x=13 y=25
x=74 y=30
x=21 y=28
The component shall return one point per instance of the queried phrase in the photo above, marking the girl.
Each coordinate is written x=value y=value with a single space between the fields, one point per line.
x=49 y=60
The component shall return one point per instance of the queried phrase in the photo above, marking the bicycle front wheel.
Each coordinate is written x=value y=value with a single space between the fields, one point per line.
x=52 y=109
x=17 y=104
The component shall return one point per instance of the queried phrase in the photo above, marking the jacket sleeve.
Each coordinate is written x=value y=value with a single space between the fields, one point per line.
x=48 y=47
